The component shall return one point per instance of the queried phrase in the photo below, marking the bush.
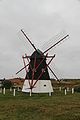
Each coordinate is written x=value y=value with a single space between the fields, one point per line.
x=77 y=89
x=7 y=84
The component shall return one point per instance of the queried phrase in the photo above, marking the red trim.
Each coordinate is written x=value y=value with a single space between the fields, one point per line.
x=33 y=71
x=26 y=69
x=22 y=69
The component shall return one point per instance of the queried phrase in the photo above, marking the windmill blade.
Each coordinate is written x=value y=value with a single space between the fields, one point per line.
x=55 y=44
x=54 y=41
x=54 y=74
x=22 y=69
x=28 y=39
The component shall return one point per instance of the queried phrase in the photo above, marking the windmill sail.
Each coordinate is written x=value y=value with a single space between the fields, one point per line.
x=54 y=41
x=37 y=79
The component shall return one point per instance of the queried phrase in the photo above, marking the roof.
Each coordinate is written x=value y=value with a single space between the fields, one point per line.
x=37 y=54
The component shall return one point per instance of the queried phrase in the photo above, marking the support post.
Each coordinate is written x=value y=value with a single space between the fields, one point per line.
x=30 y=92
x=49 y=93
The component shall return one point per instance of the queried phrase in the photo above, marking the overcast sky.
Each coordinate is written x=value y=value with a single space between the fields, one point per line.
x=41 y=20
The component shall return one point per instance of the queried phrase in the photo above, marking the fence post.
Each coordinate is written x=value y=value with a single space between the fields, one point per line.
x=14 y=92
x=18 y=89
x=4 y=91
x=10 y=89
x=59 y=88
x=65 y=91
x=72 y=90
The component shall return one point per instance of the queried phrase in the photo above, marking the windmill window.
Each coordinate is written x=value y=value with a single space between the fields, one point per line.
x=44 y=85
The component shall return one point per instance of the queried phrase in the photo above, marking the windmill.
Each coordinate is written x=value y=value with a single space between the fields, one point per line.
x=37 y=78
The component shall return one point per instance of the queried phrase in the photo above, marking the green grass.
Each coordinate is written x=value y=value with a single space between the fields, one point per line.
x=40 y=106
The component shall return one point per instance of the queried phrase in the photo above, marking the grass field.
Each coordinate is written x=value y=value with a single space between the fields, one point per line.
x=40 y=106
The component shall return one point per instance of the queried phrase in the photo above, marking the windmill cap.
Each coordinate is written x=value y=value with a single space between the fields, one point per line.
x=37 y=54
